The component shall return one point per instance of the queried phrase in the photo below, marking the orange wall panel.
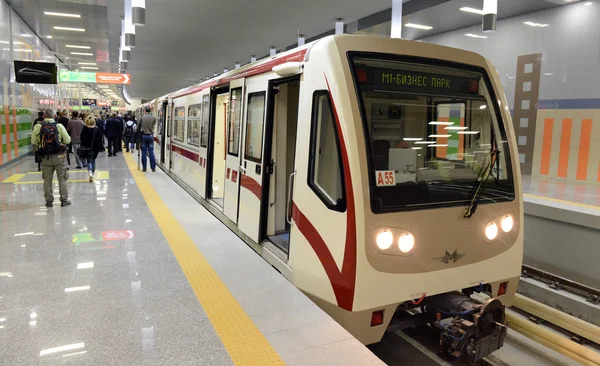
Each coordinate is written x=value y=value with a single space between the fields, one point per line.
x=565 y=145
x=547 y=146
x=584 y=149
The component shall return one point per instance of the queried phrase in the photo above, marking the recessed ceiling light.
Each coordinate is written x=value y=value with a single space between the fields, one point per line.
x=474 y=35
x=87 y=63
x=471 y=10
x=418 y=26
x=532 y=24
x=82 y=53
x=49 y=37
x=25 y=35
x=588 y=3
x=17 y=50
x=70 y=29
x=89 y=68
x=74 y=46
x=66 y=15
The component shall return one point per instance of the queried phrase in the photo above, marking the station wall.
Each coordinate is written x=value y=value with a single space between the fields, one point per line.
x=551 y=74
x=19 y=103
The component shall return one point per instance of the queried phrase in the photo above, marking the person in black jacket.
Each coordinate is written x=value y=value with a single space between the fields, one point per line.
x=100 y=124
x=40 y=119
x=114 y=129
x=91 y=142
x=63 y=118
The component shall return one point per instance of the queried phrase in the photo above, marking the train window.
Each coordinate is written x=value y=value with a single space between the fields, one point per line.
x=179 y=128
x=193 y=132
x=431 y=133
x=325 y=164
x=254 y=126
x=205 y=120
x=233 y=128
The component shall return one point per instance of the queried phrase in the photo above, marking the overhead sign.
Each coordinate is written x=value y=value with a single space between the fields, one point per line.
x=66 y=76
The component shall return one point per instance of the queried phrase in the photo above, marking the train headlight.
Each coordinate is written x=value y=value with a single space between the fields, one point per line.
x=491 y=231
x=507 y=223
x=406 y=243
x=384 y=239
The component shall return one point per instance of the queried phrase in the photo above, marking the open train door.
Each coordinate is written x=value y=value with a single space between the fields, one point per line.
x=252 y=154
x=232 y=175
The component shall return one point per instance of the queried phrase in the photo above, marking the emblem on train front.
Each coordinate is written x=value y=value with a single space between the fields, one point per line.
x=450 y=258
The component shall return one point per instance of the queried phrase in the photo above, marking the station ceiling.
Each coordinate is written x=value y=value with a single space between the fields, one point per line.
x=185 y=41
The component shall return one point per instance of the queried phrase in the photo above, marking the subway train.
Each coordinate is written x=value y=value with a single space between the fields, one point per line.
x=380 y=176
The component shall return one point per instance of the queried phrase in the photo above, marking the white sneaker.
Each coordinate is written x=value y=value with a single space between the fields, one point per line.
x=91 y=177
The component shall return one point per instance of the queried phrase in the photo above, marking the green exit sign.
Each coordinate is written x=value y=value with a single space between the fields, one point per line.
x=76 y=77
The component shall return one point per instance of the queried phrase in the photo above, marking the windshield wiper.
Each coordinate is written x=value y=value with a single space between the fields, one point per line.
x=482 y=176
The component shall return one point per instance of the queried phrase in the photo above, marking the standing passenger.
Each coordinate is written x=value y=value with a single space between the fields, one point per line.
x=113 y=133
x=51 y=139
x=130 y=129
x=91 y=141
x=74 y=128
x=40 y=119
x=63 y=119
x=147 y=124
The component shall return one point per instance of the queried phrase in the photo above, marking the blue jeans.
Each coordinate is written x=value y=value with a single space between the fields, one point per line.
x=148 y=149
x=91 y=165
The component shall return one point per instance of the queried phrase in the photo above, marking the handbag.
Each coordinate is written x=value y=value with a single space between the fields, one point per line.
x=87 y=152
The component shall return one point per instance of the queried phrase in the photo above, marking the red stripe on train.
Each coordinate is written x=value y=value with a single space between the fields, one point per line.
x=186 y=153
x=255 y=70
x=343 y=282
x=251 y=185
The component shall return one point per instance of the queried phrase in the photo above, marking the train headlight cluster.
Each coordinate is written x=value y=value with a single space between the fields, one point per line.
x=406 y=243
x=507 y=223
x=386 y=238
x=492 y=229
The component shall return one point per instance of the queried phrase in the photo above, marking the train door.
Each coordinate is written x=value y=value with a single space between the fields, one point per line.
x=280 y=141
x=218 y=149
x=168 y=128
x=232 y=176
x=252 y=171
x=203 y=149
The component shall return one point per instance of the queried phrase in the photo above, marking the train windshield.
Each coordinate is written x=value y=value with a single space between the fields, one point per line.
x=432 y=132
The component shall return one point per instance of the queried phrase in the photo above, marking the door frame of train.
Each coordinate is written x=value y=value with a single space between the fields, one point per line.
x=234 y=162
x=214 y=91
x=168 y=126
x=163 y=132
x=268 y=155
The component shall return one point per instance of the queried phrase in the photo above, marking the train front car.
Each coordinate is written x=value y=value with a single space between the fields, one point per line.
x=431 y=231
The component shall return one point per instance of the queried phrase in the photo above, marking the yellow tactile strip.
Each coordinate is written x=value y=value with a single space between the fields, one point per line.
x=243 y=341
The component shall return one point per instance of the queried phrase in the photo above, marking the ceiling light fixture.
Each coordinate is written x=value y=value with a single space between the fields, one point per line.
x=66 y=15
x=25 y=35
x=74 y=46
x=474 y=35
x=588 y=3
x=533 y=24
x=70 y=29
x=418 y=26
x=471 y=10
x=89 y=68
x=17 y=50
x=49 y=37
x=87 y=63
x=82 y=53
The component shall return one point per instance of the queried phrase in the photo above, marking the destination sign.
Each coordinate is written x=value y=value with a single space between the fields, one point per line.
x=413 y=81
x=66 y=76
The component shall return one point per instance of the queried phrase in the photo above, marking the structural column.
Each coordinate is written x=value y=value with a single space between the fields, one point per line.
x=396 y=19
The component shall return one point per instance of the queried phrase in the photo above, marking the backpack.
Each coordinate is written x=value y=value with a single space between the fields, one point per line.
x=129 y=130
x=49 y=139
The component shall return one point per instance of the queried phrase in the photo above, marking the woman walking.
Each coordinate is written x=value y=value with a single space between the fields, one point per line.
x=91 y=144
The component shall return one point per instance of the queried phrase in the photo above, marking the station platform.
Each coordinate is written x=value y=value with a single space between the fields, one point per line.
x=135 y=272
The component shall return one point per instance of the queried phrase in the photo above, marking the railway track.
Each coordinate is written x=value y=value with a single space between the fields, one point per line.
x=560 y=283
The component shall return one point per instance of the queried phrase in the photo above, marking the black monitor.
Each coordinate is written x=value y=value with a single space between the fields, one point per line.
x=90 y=102
x=35 y=72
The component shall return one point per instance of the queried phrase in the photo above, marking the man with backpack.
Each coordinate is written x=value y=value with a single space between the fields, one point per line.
x=51 y=139
x=129 y=133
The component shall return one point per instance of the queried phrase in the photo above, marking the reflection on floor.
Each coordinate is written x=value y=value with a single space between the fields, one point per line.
x=588 y=194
